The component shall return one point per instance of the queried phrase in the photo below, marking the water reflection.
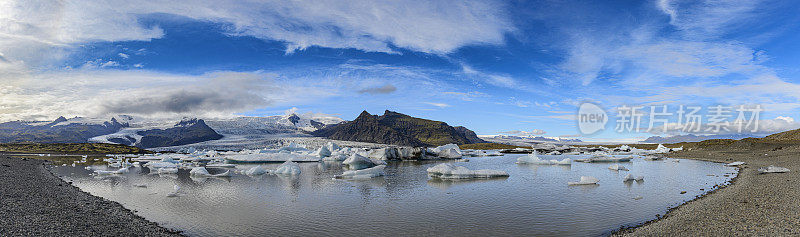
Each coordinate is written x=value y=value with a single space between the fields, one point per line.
x=533 y=200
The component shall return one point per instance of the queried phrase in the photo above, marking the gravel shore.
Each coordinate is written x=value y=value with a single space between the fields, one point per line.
x=754 y=205
x=34 y=202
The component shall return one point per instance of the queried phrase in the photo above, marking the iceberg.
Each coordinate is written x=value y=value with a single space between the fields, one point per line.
x=288 y=168
x=533 y=158
x=661 y=149
x=772 y=169
x=201 y=171
x=106 y=172
x=272 y=158
x=449 y=151
x=322 y=152
x=585 y=180
x=737 y=163
x=176 y=191
x=220 y=165
x=604 y=158
x=617 y=167
x=630 y=177
x=160 y=164
x=258 y=170
x=357 y=160
x=449 y=171
x=363 y=173
x=167 y=171
x=335 y=157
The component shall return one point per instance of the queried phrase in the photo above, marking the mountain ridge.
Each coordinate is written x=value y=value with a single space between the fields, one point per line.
x=398 y=129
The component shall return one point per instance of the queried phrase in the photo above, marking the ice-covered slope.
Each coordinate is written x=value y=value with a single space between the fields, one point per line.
x=291 y=123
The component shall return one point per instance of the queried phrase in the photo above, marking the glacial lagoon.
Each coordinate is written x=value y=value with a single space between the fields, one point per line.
x=534 y=200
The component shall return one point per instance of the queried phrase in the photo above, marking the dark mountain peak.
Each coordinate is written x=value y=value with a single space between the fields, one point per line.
x=364 y=116
x=187 y=122
x=398 y=129
x=294 y=118
x=60 y=119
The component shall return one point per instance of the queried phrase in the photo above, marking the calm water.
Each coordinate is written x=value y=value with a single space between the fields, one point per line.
x=534 y=200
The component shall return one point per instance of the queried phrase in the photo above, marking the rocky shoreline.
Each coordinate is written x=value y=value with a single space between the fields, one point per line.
x=753 y=204
x=37 y=203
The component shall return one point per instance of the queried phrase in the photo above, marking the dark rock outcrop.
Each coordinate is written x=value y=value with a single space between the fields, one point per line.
x=398 y=129
x=186 y=131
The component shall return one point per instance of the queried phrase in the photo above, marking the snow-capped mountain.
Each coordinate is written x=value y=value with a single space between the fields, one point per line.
x=526 y=140
x=291 y=123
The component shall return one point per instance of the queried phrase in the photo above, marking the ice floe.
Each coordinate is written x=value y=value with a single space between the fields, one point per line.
x=737 y=163
x=258 y=170
x=449 y=151
x=604 y=158
x=367 y=173
x=533 y=158
x=585 y=180
x=201 y=171
x=772 y=169
x=630 y=177
x=617 y=168
x=450 y=171
x=288 y=168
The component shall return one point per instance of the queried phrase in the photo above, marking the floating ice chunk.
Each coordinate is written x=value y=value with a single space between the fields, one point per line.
x=167 y=170
x=357 y=160
x=105 y=172
x=449 y=151
x=737 y=163
x=367 y=173
x=220 y=165
x=637 y=198
x=258 y=170
x=176 y=191
x=585 y=180
x=617 y=167
x=335 y=157
x=323 y=151
x=272 y=157
x=288 y=168
x=332 y=146
x=449 y=171
x=293 y=147
x=201 y=171
x=160 y=164
x=604 y=158
x=661 y=149
x=630 y=177
x=533 y=158
x=652 y=158
x=772 y=169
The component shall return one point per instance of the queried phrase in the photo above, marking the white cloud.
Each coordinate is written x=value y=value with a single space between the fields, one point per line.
x=123 y=55
x=426 y=26
x=707 y=18
x=440 y=105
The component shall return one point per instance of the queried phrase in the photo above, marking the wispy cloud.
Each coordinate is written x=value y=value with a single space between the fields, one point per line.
x=440 y=105
x=385 y=89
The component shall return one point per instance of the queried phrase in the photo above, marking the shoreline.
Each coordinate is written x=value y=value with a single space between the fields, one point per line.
x=751 y=204
x=60 y=208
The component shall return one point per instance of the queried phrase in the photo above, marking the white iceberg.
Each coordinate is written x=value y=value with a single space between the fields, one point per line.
x=335 y=157
x=258 y=170
x=167 y=171
x=449 y=171
x=272 y=157
x=201 y=171
x=357 y=160
x=737 y=163
x=617 y=167
x=220 y=165
x=449 y=151
x=533 y=158
x=106 y=172
x=772 y=169
x=288 y=168
x=176 y=191
x=585 y=180
x=160 y=164
x=367 y=173
x=323 y=152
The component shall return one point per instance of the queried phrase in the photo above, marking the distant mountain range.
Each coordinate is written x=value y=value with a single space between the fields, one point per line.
x=391 y=128
x=695 y=138
x=398 y=129
x=526 y=140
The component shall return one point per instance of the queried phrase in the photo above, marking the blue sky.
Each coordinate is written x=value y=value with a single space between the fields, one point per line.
x=519 y=67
